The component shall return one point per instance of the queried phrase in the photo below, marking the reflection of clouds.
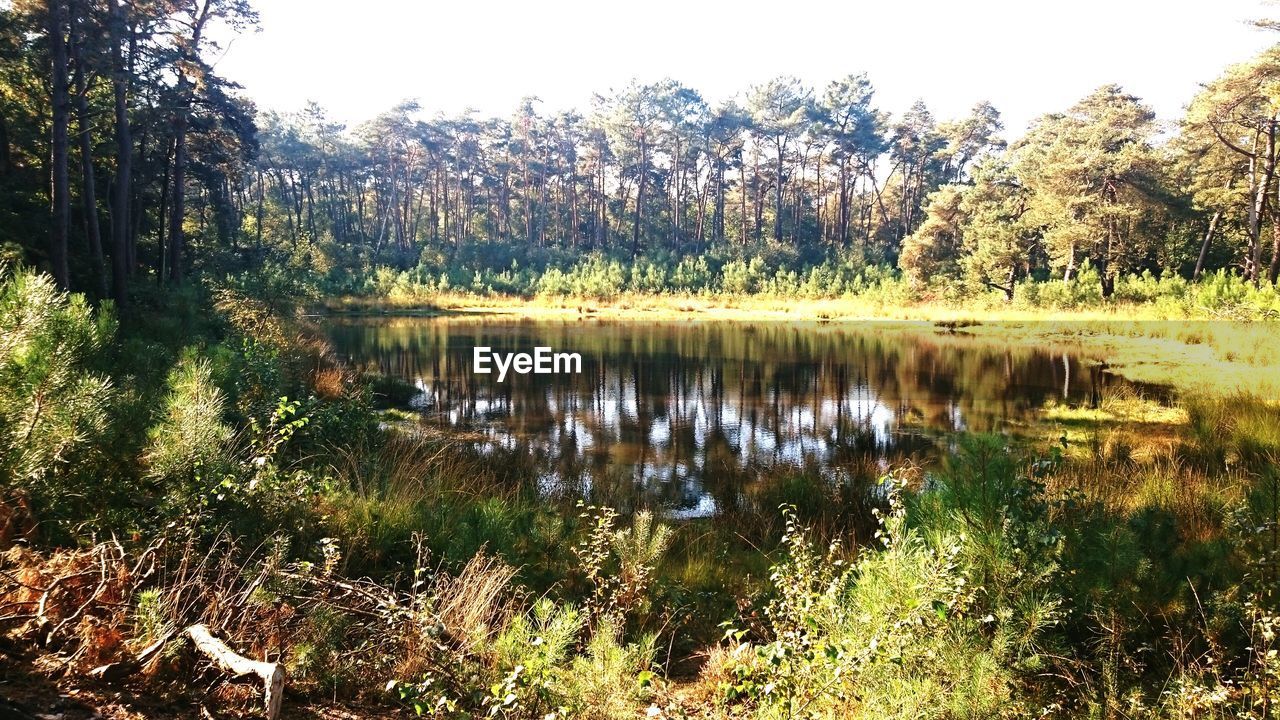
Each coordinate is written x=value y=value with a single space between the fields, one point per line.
x=705 y=507
x=655 y=458
x=660 y=433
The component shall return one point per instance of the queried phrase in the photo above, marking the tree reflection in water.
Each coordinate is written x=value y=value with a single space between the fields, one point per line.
x=688 y=416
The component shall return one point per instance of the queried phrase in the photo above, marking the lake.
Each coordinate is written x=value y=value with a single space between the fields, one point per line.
x=684 y=416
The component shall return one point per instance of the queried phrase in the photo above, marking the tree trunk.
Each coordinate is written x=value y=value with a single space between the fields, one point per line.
x=1204 y=246
x=640 y=188
x=1268 y=178
x=121 y=188
x=59 y=179
x=178 y=197
x=1275 y=249
x=718 y=232
x=1258 y=206
x=676 y=179
x=777 y=195
x=757 y=200
x=162 y=257
x=89 y=192
x=842 y=212
x=4 y=147
x=186 y=91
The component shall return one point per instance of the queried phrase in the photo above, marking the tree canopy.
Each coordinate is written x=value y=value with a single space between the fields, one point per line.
x=125 y=157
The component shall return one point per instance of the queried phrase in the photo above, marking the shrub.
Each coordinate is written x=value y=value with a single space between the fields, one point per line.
x=593 y=277
x=939 y=622
x=648 y=276
x=611 y=679
x=482 y=655
x=191 y=435
x=740 y=277
x=52 y=404
x=619 y=564
x=692 y=274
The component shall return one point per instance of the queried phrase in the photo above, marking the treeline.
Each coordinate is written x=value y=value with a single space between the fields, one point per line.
x=122 y=153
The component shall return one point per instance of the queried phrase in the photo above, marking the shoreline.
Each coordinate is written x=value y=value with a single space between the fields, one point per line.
x=1204 y=356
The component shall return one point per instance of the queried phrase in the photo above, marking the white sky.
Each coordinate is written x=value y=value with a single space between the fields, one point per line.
x=1030 y=57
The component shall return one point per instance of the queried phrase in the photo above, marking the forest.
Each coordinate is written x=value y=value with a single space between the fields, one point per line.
x=236 y=419
x=134 y=162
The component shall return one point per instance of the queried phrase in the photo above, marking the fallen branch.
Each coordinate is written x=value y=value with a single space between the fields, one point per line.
x=272 y=674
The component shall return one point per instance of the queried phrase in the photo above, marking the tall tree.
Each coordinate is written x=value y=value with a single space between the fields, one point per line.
x=80 y=22
x=915 y=147
x=969 y=139
x=856 y=130
x=633 y=123
x=1000 y=245
x=122 y=188
x=1240 y=110
x=682 y=112
x=191 y=20
x=60 y=190
x=724 y=140
x=780 y=111
x=1094 y=182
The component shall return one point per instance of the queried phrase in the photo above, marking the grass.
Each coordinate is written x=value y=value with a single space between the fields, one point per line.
x=651 y=306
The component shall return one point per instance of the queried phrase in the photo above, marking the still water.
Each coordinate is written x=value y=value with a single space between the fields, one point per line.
x=682 y=415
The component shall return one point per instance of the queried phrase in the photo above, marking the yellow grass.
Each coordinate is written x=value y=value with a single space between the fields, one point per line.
x=647 y=306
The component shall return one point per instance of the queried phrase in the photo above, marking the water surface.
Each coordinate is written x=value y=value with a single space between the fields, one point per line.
x=683 y=415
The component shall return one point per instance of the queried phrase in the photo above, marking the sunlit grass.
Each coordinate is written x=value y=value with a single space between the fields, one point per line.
x=759 y=306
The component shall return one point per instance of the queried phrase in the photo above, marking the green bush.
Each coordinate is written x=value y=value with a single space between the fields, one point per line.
x=692 y=274
x=593 y=277
x=53 y=405
x=742 y=277
x=900 y=633
x=191 y=436
x=648 y=276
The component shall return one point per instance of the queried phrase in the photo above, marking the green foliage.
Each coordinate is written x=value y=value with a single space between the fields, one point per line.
x=691 y=274
x=994 y=261
x=261 y=490
x=53 y=405
x=618 y=565
x=740 y=277
x=1091 y=172
x=903 y=631
x=1001 y=586
x=611 y=679
x=544 y=662
x=150 y=618
x=1231 y=432
x=191 y=437
x=594 y=277
x=1082 y=290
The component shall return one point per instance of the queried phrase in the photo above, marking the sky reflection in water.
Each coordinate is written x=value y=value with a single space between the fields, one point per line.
x=677 y=414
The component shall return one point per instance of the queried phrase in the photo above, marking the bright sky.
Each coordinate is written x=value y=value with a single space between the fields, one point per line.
x=1027 y=57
